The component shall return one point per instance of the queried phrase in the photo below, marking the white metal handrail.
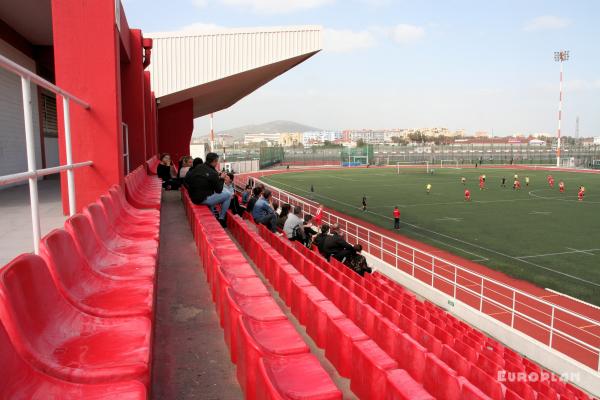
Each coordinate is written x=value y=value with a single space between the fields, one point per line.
x=437 y=263
x=32 y=174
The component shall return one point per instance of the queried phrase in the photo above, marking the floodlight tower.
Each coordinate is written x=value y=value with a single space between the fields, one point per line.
x=560 y=57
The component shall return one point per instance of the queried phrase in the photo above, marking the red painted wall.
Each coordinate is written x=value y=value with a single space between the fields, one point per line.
x=87 y=62
x=132 y=96
x=149 y=118
x=175 y=126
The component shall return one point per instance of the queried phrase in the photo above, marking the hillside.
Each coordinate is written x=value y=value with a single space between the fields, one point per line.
x=268 y=127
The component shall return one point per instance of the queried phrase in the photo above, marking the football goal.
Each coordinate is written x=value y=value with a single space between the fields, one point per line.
x=449 y=164
x=418 y=165
x=356 y=161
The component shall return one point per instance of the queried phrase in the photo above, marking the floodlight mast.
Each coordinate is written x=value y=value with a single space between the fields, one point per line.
x=560 y=57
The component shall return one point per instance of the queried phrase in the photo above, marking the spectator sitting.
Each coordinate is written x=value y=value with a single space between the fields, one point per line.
x=205 y=186
x=357 y=262
x=186 y=164
x=197 y=161
x=165 y=172
x=256 y=192
x=285 y=210
x=293 y=225
x=228 y=186
x=276 y=207
x=309 y=230
x=320 y=238
x=246 y=194
x=335 y=245
x=263 y=212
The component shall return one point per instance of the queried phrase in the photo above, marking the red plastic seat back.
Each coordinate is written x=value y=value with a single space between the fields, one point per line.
x=112 y=211
x=13 y=370
x=99 y=221
x=80 y=228
x=67 y=266
x=31 y=303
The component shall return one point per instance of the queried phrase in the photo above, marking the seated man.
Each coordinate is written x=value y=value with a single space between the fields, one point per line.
x=320 y=238
x=293 y=225
x=256 y=192
x=205 y=186
x=263 y=212
x=357 y=262
x=336 y=246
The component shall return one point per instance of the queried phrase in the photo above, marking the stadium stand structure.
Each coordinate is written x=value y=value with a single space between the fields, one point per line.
x=77 y=321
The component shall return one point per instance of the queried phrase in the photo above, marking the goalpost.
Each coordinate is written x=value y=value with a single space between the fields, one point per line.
x=449 y=164
x=412 y=164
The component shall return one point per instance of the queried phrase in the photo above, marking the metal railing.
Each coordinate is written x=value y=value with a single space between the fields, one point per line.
x=557 y=327
x=32 y=174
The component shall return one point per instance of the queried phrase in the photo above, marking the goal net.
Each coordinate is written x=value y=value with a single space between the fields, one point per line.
x=449 y=164
x=356 y=161
x=413 y=165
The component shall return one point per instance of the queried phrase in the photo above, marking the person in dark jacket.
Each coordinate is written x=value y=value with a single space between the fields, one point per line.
x=335 y=245
x=165 y=172
x=263 y=212
x=320 y=238
x=205 y=186
x=357 y=262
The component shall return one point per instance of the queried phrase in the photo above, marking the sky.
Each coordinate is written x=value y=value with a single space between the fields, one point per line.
x=478 y=65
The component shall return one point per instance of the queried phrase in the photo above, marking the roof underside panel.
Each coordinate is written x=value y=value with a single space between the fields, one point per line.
x=196 y=66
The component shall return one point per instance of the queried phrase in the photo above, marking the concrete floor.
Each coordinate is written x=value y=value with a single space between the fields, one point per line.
x=16 y=235
x=191 y=360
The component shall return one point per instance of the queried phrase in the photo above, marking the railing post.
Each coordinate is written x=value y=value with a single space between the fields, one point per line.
x=31 y=165
x=432 y=269
x=455 y=275
x=396 y=255
x=69 y=153
x=551 y=328
x=413 y=262
x=481 y=297
x=512 y=317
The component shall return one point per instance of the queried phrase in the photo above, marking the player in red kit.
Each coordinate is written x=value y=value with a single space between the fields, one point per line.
x=467 y=195
x=580 y=194
x=561 y=186
x=396 y=218
x=481 y=183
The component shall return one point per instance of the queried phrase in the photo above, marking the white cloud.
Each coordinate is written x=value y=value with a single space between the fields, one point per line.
x=406 y=34
x=546 y=22
x=345 y=40
x=276 y=6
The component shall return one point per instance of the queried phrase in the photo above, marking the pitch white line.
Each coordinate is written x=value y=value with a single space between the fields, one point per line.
x=574 y=200
x=462 y=241
x=572 y=251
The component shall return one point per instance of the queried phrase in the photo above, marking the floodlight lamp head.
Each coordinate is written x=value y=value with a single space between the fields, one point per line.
x=561 y=56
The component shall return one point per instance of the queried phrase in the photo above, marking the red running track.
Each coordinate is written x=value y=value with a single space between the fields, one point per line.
x=567 y=323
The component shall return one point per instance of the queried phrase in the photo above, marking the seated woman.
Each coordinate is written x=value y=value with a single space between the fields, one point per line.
x=285 y=210
x=357 y=262
x=228 y=186
x=186 y=164
x=165 y=171
x=309 y=230
x=319 y=240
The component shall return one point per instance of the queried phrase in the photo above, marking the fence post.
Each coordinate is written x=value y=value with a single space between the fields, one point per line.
x=413 y=262
x=432 y=269
x=481 y=297
x=31 y=165
x=396 y=255
x=551 y=327
x=455 y=274
x=512 y=317
x=368 y=241
x=69 y=154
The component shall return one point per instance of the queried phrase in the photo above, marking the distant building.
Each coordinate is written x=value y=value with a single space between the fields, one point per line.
x=597 y=140
x=318 y=137
x=482 y=134
x=270 y=138
x=290 y=139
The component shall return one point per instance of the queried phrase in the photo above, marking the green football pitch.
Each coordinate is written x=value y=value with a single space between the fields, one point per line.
x=537 y=234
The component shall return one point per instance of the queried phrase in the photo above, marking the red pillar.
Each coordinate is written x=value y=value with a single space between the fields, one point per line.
x=87 y=61
x=149 y=117
x=132 y=92
x=175 y=126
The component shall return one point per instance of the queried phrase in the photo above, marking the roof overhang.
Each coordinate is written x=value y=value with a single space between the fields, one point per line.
x=216 y=69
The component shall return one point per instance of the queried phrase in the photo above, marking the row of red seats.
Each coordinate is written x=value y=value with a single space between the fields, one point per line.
x=372 y=373
x=272 y=359
x=76 y=321
x=140 y=188
x=469 y=352
x=492 y=357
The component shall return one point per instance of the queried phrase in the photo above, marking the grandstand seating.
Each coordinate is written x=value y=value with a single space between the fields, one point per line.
x=76 y=322
x=448 y=358
x=273 y=362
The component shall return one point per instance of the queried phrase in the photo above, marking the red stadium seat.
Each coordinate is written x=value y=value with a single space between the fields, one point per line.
x=342 y=333
x=258 y=339
x=104 y=260
x=411 y=356
x=294 y=377
x=21 y=381
x=93 y=293
x=300 y=303
x=126 y=226
x=455 y=361
x=259 y=308
x=56 y=338
x=471 y=392
x=147 y=247
x=319 y=313
x=401 y=386
x=369 y=373
x=440 y=380
x=490 y=386
x=118 y=196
